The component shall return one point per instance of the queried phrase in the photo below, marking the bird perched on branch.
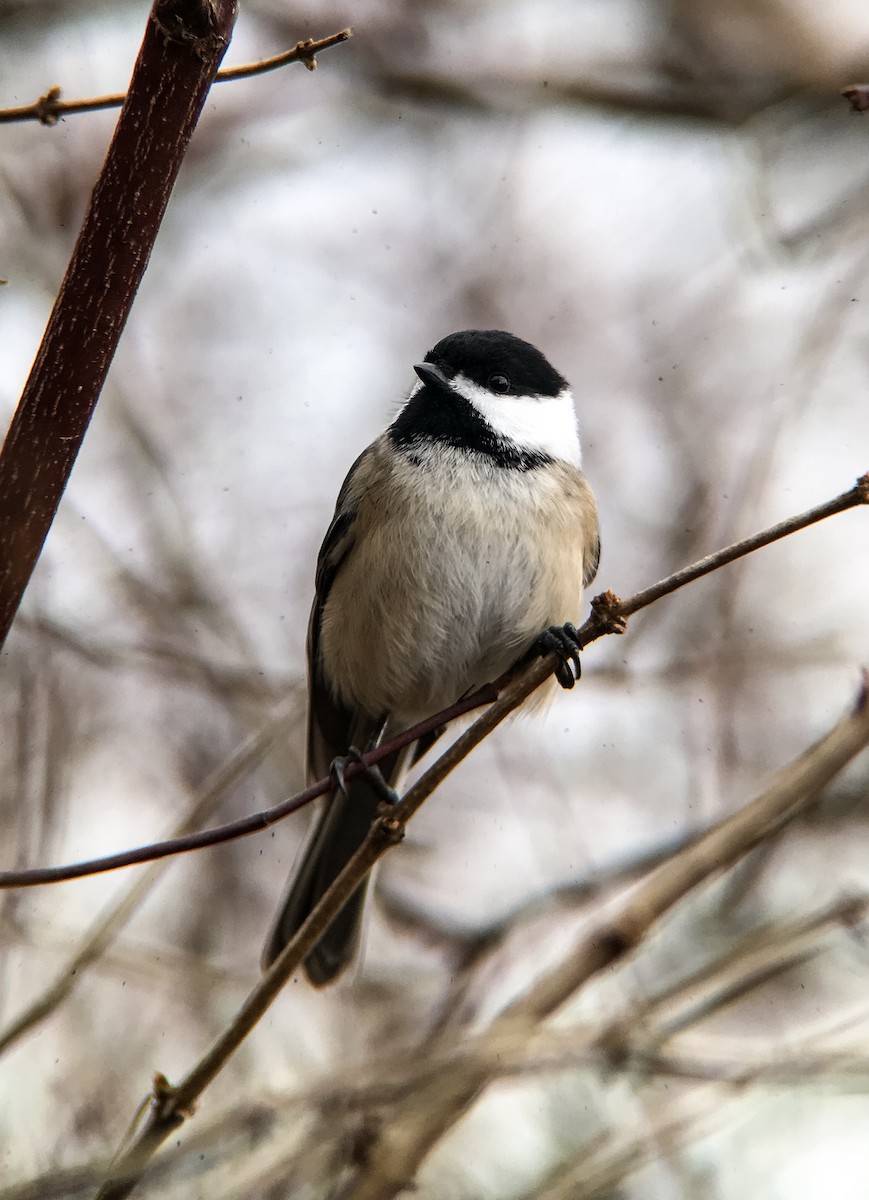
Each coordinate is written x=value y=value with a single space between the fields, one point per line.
x=461 y=541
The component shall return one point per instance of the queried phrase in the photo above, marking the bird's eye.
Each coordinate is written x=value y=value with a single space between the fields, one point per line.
x=499 y=384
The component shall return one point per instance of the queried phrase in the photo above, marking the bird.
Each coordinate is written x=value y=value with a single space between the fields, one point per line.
x=461 y=542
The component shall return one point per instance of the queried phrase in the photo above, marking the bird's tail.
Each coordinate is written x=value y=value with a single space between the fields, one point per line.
x=338 y=833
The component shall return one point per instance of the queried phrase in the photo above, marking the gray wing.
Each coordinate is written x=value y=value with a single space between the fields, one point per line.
x=330 y=723
x=591 y=562
x=344 y=821
x=590 y=532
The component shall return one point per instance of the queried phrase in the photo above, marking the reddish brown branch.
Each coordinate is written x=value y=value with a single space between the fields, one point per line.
x=182 y=48
x=609 y=613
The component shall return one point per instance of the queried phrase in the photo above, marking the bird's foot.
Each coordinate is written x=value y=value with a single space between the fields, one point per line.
x=564 y=641
x=373 y=775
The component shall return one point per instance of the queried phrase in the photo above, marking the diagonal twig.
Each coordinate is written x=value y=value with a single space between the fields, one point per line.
x=598 y=622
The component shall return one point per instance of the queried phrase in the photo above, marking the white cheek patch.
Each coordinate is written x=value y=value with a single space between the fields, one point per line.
x=542 y=423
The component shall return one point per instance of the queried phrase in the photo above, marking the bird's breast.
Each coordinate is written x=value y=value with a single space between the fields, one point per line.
x=454 y=571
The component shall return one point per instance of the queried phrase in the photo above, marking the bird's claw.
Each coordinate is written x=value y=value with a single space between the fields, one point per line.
x=562 y=640
x=373 y=775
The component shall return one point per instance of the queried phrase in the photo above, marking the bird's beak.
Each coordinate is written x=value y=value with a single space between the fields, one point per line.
x=432 y=376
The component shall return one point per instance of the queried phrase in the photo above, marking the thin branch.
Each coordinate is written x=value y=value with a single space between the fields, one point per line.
x=609 y=615
x=49 y=109
x=610 y=607
x=303 y=52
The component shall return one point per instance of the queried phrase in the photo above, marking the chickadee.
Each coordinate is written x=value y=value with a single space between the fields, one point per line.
x=461 y=541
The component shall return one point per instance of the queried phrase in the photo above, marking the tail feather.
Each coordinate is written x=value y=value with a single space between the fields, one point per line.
x=340 y=830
